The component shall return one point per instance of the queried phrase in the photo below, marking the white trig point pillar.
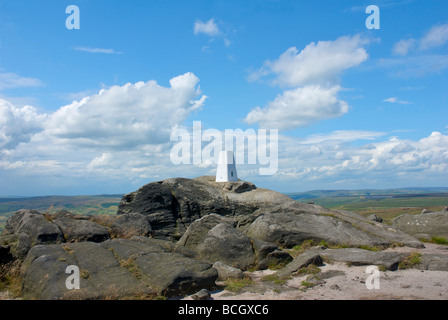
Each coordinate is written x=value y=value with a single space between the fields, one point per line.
x=226 y=170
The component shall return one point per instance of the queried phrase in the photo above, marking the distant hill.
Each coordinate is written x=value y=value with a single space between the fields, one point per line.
x=368 y=193
x=387 y=204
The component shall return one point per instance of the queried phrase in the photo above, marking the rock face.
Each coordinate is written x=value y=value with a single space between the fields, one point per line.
x=227 y=272
x=312 y=256
x=27 y=228
x=113 y=269
x=227 y=244
x=424 y=225
x=168 y=234
x=172 y=205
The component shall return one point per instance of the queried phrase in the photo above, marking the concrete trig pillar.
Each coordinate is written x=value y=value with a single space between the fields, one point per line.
x=226 y=170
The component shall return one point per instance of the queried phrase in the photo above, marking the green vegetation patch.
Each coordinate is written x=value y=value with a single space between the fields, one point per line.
x=273 y=278
x=413 y=259
x=237 y=285
x=10 y=278
x=439 y=240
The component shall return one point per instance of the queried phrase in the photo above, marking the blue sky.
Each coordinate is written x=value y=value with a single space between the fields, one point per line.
x=90 y=110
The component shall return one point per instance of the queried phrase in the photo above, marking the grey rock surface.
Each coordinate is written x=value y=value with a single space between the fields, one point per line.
x=172 y=205
x=312 y=256
x=227 y=244
x=360 y=257
x=112 y=269
x=433 y=224
x=81 y=230
x=434 y=262
x=227 y=272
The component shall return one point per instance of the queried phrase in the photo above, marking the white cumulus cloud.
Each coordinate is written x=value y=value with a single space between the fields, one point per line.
x=18 y=124
x=311 y=78
x=127 y=116
x=319 y=62
x=299 y=107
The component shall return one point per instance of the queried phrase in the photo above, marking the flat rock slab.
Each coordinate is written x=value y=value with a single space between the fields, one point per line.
x=433 y=262
x=113 y=269
x=360 y=257
x=433 y=224
x=312 y=256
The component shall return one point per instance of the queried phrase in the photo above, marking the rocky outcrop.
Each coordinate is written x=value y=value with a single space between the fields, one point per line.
x=113 y=269
x=81 y=230
x=172 y=205
x=215 y=238
x=168 y=234
x=227 y=244
x=27 y=228
x=424 y=225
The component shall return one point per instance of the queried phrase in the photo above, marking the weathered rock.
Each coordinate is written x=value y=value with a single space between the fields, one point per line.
x=330 y=274
x=34 y=224
x=312 y=256
x=198 y=230
x=227 y=244
x=360 y=257
x=289 y=229
x=27 y=228
x=112 y=269
x=390 y=235
x=275 y=259
x=172 y=205
x=335 y=287
x=375 y=218
x=173 y=274
x=19 y=244
x=101 y=275
x=434 y=224
x=434 y=262
x=167 y=272
x=201 y=295
x=131 y=224
x=81 y=230
x=262 y=248
x=227 y=272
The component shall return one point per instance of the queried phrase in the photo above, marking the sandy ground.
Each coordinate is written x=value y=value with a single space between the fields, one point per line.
x=349 y=283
